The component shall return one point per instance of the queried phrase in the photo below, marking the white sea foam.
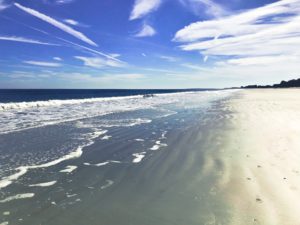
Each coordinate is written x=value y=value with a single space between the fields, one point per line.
x=163 y=135
x=138 y=157
x=9 y=179
x=106 y=137
x=7 y=213
x=26 y=115
x=102 y=163
x=4 y=223
x=158 y=145
x=20 y=116
x=155 y=147
x=46 y=184
x=6 y=181
x=18 y=196
x=108 y=184
x=68 y=169
x=38 y=104
x=71 y=195
x=140 y=140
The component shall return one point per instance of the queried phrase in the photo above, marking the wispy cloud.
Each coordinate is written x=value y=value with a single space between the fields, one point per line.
x=128 y=76
x=58 y=2
x=71 y=22
x=57 y=24
x=107 y=78
x=262 y=60
x=97 y=62
x=142 y=8
x=75 y=23
x=264 y=35
x=42 y=63
x=3 y=5
x=24 y=40
x=208 y=6
x=146 y=31
x=57 y=58
x=115 y=55
x=93 y=51
x=169 y=58
x=61 y=2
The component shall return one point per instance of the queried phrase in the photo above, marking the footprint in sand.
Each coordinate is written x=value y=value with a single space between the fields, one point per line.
x=255 y=221
x=258 y=200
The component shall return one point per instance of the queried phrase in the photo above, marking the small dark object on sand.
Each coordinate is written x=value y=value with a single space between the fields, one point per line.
x=258 y=200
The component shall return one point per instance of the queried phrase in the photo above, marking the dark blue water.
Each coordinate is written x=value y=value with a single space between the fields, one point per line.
x=26 y=95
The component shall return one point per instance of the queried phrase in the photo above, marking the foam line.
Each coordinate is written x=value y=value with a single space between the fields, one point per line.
x=18 y=196
x=102 y=164
x=46 y=184
x=37 y=104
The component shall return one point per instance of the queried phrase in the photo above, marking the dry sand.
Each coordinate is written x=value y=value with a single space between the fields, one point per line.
x=261 y=180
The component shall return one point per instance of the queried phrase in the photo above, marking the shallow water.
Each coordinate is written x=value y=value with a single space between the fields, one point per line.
x=125 y=161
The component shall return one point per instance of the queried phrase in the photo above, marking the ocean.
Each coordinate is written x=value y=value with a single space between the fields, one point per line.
x=104 y=156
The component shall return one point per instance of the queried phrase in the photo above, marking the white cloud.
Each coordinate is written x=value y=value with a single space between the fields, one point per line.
x=262 y=60
x=42 y=63
x=75 y=23
x=3 y=5
x=128 y=76
x=61 y=2
x=57 y=24
x=24 y=40
x=169 y=58
x=115 y=55
x=193 y=67
x=146 y=31
x=93 y=51
x=257 y=40
x=107 y=78
x=71 y=22
x=238 y=27
x=211 y=8
x=143 y=7
x=97 y=62
x=57 y=58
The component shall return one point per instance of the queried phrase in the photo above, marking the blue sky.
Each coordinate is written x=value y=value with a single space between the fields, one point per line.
x=148 y=43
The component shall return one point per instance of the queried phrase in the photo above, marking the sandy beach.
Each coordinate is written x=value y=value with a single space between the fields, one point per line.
x=262 y=155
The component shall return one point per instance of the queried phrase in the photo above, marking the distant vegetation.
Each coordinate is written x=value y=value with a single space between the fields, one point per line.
x=283 y=84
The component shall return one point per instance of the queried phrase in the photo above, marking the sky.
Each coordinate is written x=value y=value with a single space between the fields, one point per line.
x=148 y=43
